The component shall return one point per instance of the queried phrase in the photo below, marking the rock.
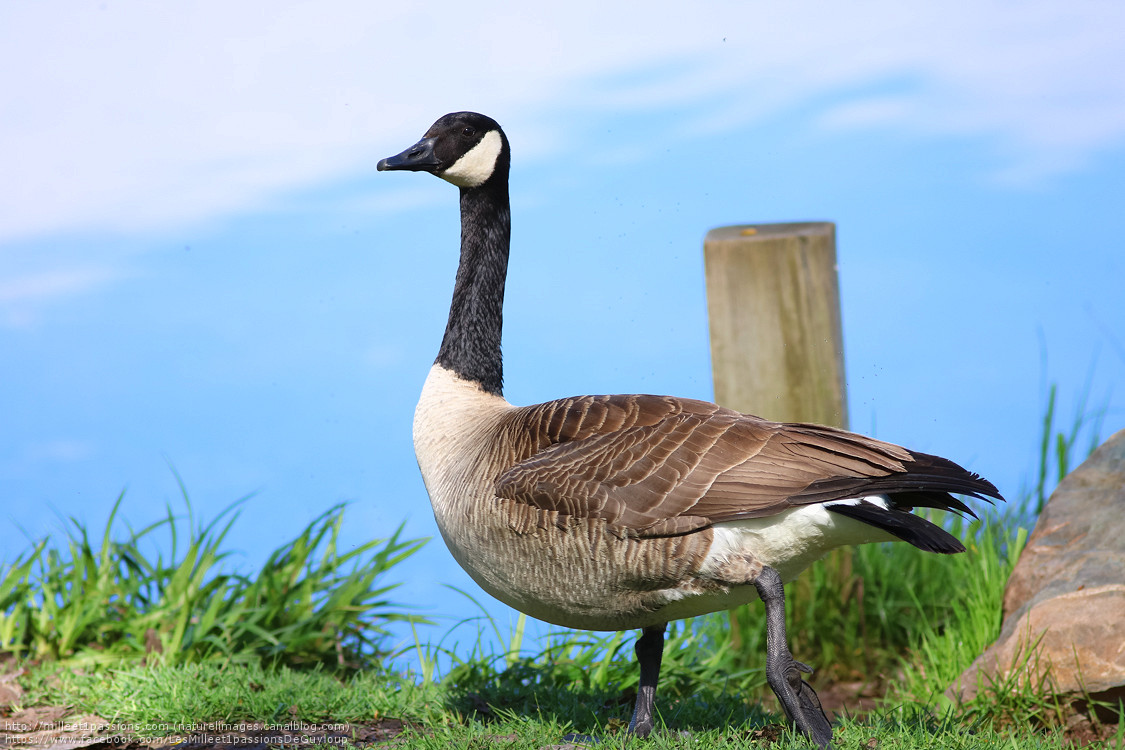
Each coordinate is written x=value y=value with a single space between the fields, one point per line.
x=1064 y=607
x=1079 y=539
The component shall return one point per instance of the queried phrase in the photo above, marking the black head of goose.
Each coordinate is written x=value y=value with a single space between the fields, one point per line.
x=628 y=511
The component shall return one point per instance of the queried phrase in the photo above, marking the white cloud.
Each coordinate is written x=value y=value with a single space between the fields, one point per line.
x=128 y=116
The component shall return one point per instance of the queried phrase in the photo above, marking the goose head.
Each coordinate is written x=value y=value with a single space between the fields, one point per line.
x=464 y=148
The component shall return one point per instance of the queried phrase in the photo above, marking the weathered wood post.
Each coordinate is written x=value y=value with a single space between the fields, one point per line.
x=773 y=302
x=777 y=345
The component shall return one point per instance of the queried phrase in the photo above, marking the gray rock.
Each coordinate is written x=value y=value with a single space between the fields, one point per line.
x=1064 y=607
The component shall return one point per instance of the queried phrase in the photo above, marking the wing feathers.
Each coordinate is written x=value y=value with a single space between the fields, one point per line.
x=660 y=466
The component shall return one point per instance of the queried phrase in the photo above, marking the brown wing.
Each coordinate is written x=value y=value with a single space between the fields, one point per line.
x=655 y=466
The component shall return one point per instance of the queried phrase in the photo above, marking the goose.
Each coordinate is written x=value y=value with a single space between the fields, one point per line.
x=619 y=512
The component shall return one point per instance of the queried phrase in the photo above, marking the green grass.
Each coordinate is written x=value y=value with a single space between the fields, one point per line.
x=152 y=700
x=211 y=692
x=944 y=647
x=104 y=602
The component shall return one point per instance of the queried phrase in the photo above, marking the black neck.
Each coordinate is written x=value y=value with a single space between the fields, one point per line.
x=471 y=347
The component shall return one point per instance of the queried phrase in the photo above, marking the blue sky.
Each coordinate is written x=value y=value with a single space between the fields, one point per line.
x=199 y=265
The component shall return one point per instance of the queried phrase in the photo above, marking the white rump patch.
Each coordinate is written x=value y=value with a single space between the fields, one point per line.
x=792 y=540
x=474 y=168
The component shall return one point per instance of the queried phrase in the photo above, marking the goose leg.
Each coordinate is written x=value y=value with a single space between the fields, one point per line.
x=649 y=648
x=783 y=672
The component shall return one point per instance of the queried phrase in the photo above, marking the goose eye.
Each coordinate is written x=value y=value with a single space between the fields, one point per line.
x=469 y=131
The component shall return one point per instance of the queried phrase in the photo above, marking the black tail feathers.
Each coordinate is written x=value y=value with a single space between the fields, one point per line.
x=901 y=523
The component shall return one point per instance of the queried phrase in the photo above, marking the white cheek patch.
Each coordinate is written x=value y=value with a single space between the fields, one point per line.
x=474 y=168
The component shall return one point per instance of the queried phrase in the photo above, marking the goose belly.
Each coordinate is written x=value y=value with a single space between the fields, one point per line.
x=575 y=573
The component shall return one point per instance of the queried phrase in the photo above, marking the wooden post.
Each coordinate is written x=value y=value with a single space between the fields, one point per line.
x=773 y=300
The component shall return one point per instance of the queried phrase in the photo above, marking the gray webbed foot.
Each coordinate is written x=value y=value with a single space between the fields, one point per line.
x=799 y=700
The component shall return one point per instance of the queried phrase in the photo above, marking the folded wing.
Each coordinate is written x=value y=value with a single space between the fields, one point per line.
x=658 y=466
